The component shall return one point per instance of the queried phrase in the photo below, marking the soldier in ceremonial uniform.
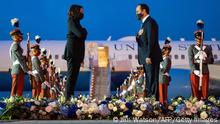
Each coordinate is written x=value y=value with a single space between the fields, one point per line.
x=164 y=76
x=37 y=71
x=195 y=55
x=45 y=65
x=19 y=66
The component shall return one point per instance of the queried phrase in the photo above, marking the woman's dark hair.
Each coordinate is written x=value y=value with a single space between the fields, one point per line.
x=145 y=7
x=74 y=12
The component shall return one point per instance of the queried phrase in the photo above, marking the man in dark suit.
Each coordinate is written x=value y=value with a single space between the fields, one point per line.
x=149 y=52
x=75 y=48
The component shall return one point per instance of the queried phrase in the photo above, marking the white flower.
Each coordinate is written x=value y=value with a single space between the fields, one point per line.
x=93 y=108
x=199 y=104
x=140 y=101
x=53 y=104
x=143 y=107
x=168 y=38
x=134 y=111
x=115 y=109
x=78 y=112
x=203 y=115
x=79 y=103
x=188 y=112
x=94 y=100
x=73 y=100
x=14 y=20
x=37 y=37
x=139 y=113
x=85 y=108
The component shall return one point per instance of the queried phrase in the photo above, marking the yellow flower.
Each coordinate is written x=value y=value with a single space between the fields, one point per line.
x=175 y=103
x=180 y=99
x=110 y=106
x=204 y=106
x=139 y=113
x=115 y=109
x=203 y=115
x=91 y=110
x=122 y=106
x=188 y=104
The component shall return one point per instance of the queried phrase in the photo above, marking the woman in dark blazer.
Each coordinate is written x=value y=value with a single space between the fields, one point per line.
x=75 y=48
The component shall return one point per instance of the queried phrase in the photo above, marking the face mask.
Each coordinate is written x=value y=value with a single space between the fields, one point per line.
x=139 y=16
x=81 y=15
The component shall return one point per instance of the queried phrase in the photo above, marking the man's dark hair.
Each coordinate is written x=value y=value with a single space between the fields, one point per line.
x=145 y=7
x=74 y=12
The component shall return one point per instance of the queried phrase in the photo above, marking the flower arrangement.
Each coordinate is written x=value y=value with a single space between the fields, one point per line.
x=82 y=107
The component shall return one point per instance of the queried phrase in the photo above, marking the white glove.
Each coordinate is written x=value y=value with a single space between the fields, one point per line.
x=161 y=66
x=202 y=55
x=30 y=73
x=196 y=72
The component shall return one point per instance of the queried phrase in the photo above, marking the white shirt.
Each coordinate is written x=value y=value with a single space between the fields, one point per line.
x=143 y=20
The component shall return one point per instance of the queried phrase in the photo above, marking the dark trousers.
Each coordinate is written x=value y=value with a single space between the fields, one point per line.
x=152 y=79
x=73 y=68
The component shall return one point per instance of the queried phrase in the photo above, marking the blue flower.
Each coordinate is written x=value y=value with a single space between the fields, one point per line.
x=128 y=113
x=163 y=108
x=108 y=98
x=180 y=107
x=103 y=110
x=128 y=105
x=103 y=102
x=3 y=105
x=1 y=110
x=28 y=104
x=68 y=111
x=149 y=107
x=215 y=112
x=123 y=99
x=209 y=103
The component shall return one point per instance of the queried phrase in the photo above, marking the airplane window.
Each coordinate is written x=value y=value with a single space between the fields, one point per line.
x=176 y=56
x=56 y=56
x=182 y=56
x=129 y=56
x=136 y=56
x=215 y=56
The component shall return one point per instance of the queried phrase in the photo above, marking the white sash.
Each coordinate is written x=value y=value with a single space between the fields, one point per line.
x=200 y=52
